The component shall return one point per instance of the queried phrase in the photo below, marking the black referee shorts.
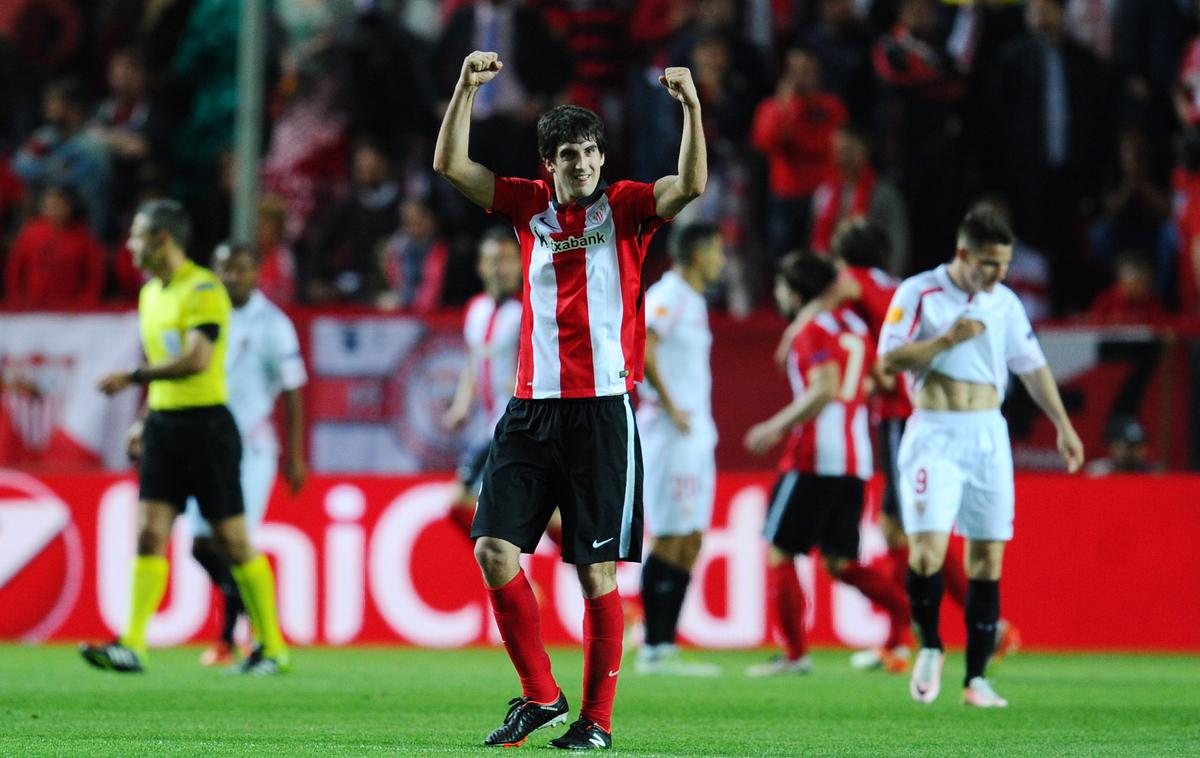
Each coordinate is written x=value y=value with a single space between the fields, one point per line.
x=584 y=457
x=807 y=511
x=193 y=452
x=890 y=431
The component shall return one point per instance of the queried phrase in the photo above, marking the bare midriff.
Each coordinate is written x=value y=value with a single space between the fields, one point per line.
x=941 y=393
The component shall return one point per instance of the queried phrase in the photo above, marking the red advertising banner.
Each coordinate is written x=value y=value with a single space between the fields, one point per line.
x=1096 y=564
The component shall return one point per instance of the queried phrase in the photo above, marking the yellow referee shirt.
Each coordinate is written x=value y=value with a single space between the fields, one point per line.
x=167 y=312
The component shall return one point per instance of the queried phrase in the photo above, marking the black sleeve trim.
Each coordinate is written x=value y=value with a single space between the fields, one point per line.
x=212 y=331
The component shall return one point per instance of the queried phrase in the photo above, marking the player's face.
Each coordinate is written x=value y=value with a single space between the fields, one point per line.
x=986 y=267
x=576 y=169
x=710 y=260
x=146 y=249
x=787 y=301
x=500 y=267
x=239 y=275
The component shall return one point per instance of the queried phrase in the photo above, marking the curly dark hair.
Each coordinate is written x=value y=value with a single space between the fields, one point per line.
x=807 y=274
x=568 y=123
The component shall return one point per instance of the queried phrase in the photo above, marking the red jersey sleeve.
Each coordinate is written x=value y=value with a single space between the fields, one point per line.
x=876 y=289
x=518 y=199
x=813 y=346
x=635 y=200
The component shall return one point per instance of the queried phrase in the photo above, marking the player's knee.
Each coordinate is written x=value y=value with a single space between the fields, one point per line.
x=493 y=559
x=152 y=542
x=983 y=567
x=234 y=546
x=775 y=556
x=597 y=579
x=924 y=560
x=834 y=565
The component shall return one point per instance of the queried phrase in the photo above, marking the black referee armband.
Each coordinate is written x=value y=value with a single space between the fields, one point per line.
x=212 y=331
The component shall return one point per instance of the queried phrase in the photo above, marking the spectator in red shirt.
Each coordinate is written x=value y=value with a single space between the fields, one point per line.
x=277 y=265
x=794 y=130
x=854 y=192
x=1131 y=300
x=55 y=261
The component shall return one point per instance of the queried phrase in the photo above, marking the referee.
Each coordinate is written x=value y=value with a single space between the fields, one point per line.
x=188 y=444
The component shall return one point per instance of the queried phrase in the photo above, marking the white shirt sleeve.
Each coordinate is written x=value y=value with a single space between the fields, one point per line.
x=661 y=310
x=900 y=326
x=1022 y=351
x=284 y=353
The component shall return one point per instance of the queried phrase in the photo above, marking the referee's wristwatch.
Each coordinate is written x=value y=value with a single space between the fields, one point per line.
x=137 y=376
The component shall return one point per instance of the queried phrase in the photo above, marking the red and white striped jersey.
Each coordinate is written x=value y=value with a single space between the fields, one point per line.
x=877 y=288
x=492 y=331
x=583 y=331
x=838 y=441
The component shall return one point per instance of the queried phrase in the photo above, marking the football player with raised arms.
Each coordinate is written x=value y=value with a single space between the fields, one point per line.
x=959 y=331
x=568 y=437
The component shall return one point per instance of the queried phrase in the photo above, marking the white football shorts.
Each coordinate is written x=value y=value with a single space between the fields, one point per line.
x=956 y=469
x=680 y=477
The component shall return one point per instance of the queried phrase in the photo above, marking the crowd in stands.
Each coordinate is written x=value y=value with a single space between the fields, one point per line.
x=1079 y=118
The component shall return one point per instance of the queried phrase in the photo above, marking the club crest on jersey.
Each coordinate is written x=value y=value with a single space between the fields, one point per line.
x=575 y=243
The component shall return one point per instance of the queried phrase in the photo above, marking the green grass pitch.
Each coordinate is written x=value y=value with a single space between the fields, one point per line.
x=397 y=701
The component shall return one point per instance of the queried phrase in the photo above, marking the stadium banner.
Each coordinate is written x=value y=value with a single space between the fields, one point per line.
x=51 y=414
x=378 y=387
x=375 y=560
x=380 y=383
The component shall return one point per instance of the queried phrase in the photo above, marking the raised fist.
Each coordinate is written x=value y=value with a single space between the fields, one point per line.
x=479 y=68
x=678 y=81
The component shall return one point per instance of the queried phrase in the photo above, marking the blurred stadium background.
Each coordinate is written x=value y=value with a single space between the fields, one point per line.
x=307 y=126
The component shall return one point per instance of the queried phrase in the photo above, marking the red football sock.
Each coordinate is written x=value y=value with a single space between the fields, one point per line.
x=462 y=517
x=786 y=600
x=520 y=623
x=953 y=576
x=898 y=557
x=878 y=587
x=603 y=633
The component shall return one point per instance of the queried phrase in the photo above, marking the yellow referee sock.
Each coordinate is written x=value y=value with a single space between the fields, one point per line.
x=149 y=586
x=256 y=585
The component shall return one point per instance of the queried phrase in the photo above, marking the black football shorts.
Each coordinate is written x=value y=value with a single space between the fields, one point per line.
x=582 y=456
x=807 y=511
x=193 y=452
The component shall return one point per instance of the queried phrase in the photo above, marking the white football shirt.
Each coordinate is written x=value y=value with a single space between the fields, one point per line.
x=262 y=360
x=679 y=316
x=926 y=305
x=492 y=332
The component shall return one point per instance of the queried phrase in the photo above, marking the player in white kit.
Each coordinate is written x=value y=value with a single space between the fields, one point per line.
x=679 y=440
x=262 y=361
x=958 y=332
x=492 y=330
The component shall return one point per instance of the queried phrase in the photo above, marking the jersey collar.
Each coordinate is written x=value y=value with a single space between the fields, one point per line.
x=253 y=303
x=585 y=202
x=187 y=265
x=942 y=273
